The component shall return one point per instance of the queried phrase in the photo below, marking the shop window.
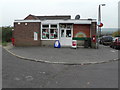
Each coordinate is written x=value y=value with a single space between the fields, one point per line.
x=62 y=25
x=53 y=33
x=45 y=26
x=45 y=34
x=69 y=26
x=53 y=26
x=62 y=33
x=68 y=33
x=49 y=32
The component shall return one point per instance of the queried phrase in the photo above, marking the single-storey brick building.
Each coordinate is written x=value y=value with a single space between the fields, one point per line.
x=44 y=30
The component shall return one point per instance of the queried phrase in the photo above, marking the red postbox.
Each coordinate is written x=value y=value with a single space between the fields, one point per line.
x=94 y=38
x=13 y=41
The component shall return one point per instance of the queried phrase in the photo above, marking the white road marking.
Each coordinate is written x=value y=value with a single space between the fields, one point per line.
x=88 y=83
x=29 y=78
x=16 y=78
x=113 y=51
x=42 y=72
x=117 y=50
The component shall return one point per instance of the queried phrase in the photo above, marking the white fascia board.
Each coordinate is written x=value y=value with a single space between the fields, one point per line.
x=50 y=21
x=81 y=22
x=58 y=21
x=94 y=20
x=26 y=20
x=66 y=21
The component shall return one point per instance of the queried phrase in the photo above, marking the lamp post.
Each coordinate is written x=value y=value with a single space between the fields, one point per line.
x=99 y=19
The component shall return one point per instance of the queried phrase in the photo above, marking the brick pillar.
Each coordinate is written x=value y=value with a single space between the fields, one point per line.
x=94 y=32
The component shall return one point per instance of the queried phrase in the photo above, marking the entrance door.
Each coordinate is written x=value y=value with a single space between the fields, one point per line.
x=66 y=37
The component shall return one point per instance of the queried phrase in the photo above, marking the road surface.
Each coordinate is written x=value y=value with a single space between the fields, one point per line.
x=18 y=73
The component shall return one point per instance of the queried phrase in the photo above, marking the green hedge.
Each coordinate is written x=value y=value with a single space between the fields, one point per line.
x=6 y=34
x=82 y=38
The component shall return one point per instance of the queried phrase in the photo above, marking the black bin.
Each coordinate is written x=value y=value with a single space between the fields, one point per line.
x=87 y=43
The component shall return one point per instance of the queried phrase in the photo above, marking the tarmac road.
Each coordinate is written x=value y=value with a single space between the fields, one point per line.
x=18 y=73
x=0 y=66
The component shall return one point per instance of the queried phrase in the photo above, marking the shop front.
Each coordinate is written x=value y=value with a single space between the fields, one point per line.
x=61 y=32
x=32 y=32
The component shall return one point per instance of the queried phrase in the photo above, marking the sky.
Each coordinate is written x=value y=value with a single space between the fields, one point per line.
x=19 y=9
x=119 y=15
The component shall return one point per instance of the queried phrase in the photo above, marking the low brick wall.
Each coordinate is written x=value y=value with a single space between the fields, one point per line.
x=47 y=42
x=26 y=42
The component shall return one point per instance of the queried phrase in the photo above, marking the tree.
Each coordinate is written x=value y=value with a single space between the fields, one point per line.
x=116 y=34
x=6 y=34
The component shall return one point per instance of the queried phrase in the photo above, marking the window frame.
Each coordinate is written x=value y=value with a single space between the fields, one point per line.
x=49 y=31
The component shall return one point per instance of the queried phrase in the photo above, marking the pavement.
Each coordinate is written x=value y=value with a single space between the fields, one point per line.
x=71 y=56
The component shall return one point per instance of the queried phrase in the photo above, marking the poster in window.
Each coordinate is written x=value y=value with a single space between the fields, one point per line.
x=35 y=36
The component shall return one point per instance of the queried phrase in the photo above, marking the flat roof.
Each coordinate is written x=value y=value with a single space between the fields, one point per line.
x=74 y=21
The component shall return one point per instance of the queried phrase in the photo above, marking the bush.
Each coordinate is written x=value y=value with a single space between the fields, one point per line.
x=116 y=34
x=6 y=34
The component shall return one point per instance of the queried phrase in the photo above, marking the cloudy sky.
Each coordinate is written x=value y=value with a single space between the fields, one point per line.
x=19 y=9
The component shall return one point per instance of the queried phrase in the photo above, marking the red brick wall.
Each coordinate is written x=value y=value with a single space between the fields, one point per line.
x=93 y=28
x=24 y=34
x=31 y=17
x=94 y=32
x=81 y=28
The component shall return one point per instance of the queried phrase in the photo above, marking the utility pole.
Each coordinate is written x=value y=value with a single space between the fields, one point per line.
x=99 y=21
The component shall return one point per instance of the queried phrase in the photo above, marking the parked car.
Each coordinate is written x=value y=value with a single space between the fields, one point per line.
x=99 y=40
x=115 y=43
x=106 y=40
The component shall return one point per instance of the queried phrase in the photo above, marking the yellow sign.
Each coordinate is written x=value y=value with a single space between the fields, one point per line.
x=80 y=34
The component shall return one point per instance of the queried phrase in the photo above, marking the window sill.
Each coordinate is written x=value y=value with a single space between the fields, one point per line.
x=49 y=39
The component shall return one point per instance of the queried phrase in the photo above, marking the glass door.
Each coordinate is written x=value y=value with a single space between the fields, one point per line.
x=68 y=33
x=66 y=37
